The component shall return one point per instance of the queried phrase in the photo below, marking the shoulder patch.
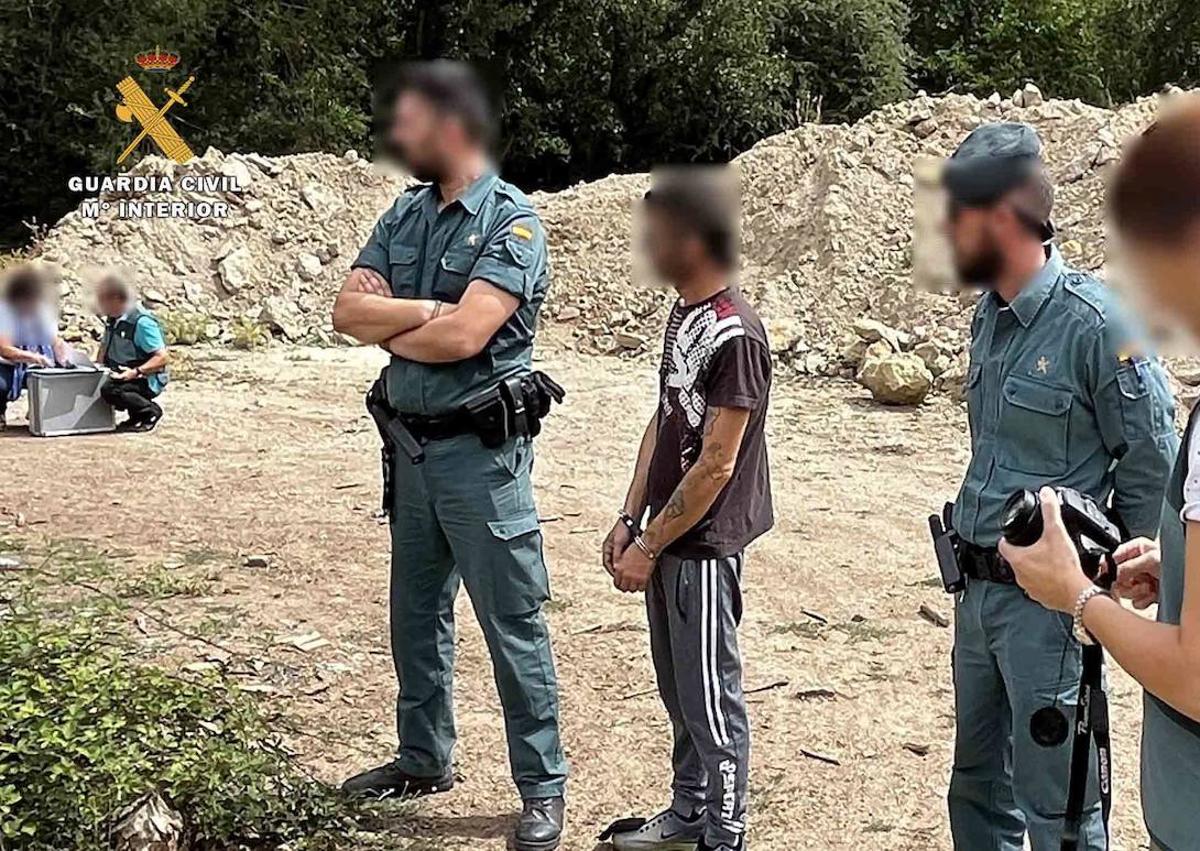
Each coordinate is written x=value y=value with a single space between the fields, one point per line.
x=522 y=231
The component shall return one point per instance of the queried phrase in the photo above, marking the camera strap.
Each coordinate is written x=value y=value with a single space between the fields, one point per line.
x=1091 y=724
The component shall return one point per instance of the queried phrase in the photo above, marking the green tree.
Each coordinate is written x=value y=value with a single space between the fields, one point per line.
x=984 y=45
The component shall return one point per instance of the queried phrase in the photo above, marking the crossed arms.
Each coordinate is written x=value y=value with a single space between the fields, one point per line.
x=420 y=329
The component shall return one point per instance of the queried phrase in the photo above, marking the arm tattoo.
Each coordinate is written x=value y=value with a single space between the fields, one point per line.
x=677 y=505
x=699 y=486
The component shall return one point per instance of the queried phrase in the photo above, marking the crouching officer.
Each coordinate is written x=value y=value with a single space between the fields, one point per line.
x=1058 y=393
x=134 y=351
x=450 y=282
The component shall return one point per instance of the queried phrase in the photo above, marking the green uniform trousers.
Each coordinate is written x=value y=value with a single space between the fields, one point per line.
x=1011 y=658
x=466 y=516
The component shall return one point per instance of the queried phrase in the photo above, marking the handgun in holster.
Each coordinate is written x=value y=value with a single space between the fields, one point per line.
x=945 y=548
x=393 y=434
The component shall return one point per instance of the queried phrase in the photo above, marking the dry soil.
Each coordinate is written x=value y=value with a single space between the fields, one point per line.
x=270 y=453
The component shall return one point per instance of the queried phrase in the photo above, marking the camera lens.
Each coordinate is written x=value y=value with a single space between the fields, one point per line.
x=1022 y=518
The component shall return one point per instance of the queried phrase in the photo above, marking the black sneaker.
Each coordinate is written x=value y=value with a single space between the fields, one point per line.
x=704 y=846
x=540 y=827
x=146 y=423
x=390 y=781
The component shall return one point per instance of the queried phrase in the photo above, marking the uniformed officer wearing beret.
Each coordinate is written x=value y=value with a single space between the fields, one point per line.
x=450 y=282
x=1059 y=392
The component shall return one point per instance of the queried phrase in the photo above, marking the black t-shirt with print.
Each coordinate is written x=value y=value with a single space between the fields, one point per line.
x=715 y=355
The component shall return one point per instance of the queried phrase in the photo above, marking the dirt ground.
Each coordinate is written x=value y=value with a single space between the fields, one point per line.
x=271 y=454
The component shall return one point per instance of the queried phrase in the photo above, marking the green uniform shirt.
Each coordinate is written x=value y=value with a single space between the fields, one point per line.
x=1059 y=393
x=490 y=232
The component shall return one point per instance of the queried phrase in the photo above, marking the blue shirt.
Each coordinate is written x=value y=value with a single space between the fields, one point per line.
x=1060 y=392
x=148 y=337
x=490 y=232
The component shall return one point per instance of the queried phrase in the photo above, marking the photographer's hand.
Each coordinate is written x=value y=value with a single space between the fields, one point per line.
x=1138 y=564
x=1049 y=570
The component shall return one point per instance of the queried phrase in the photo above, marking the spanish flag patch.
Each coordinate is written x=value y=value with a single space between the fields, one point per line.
x=523 y=232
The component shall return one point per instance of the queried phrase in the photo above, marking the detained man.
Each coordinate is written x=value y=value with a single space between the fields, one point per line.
x=1155 y=205
x=702 y=478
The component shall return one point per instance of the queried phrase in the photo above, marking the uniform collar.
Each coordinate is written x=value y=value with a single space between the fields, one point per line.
x=472 y=198
x=127 y=315
x=1034 y=294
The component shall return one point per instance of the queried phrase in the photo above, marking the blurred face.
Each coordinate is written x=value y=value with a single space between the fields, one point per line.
x=111 y=301
x=1168 y=277
x=419 y=136
x=673 y=252
x=24 y=304
x=26 y=295
x=972 y=232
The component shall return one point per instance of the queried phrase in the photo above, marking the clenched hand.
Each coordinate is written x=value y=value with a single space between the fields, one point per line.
x=363 y=280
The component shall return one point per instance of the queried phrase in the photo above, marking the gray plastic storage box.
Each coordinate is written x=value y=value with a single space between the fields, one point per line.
x=67 y=401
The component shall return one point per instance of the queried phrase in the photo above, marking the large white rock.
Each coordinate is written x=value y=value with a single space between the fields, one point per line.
x=896 y=379
x=308 y=265
x=237 y=169
x=283 y=316
x=234 y=269
x=1031 y=95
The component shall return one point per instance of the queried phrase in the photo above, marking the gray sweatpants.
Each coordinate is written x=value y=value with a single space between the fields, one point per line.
x=694 y=608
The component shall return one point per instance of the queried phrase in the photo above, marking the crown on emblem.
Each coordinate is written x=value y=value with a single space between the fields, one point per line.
x=157 y=60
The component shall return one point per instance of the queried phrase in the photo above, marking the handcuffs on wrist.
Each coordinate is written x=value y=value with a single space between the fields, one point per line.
x=635 y=530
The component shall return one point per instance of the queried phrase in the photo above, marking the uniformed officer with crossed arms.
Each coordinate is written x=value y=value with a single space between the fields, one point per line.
x=450 y=282
x=1058 y=393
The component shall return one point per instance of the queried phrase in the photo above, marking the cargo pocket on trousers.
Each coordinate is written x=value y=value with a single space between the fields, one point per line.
x=524 y=584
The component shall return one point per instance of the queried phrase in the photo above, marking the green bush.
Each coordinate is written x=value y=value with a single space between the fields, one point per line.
x=183 y=328
x=84 y=732
x=248 y=335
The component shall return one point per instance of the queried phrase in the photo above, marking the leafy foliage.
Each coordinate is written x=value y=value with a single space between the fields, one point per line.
x=247 y=334
x=84 y=732
x=588 y=88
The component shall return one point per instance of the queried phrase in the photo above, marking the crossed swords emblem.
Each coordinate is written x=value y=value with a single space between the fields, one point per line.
x=136 y=104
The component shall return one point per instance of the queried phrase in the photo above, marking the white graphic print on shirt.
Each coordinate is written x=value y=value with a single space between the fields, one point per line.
x=693 y=338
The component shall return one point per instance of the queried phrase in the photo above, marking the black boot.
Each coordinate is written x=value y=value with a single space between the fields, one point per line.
x=389 y=781
x=540 y=827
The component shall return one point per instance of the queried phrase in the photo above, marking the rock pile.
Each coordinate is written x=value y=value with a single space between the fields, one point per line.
x=828 y=223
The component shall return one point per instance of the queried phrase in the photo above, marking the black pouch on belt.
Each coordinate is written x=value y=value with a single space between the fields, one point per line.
x=489 y=417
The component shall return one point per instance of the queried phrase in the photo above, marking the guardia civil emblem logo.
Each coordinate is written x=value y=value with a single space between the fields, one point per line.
x=137 y=107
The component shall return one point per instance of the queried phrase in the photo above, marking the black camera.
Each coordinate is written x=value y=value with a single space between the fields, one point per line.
x=1094 y=535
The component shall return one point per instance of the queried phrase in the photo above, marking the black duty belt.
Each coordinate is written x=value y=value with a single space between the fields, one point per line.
x=985 y=563
x=425 y=429
x=513 y=408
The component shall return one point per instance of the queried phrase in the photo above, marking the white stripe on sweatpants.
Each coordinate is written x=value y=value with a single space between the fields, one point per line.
x=709 y=604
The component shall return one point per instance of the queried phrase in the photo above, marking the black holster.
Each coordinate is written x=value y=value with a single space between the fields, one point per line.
x=393 y=434
x=946 y=547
